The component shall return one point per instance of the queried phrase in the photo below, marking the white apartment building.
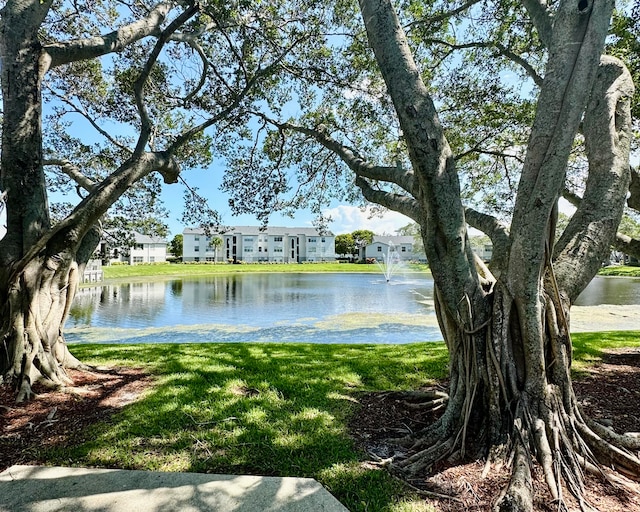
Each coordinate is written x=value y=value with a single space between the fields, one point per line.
x=381 y=246
x=251 y=244
x=145 y=249
x=148 y=249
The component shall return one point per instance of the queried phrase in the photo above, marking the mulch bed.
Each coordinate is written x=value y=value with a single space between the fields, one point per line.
x=610 y=394
x=57 y=418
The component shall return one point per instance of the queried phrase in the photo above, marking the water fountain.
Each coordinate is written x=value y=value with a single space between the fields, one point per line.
x=390 y=263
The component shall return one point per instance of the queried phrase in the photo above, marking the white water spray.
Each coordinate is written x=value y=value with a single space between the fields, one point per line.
x=390 y=262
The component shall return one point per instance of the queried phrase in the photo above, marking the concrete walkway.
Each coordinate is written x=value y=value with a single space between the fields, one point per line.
x=48 y=489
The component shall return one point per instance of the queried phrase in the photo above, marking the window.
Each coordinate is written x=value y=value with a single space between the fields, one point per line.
x=152 y=259
x=138 y=247
x=277 y=249
x=404 y=248
x=312 y=249
x=138 y=259
x=312 y=240
x=277 y=239
x=196 y=238
x=259 y=249
x=322 y=240
x=379 y=248
x=196 y=248
x=248 y=240
x=248 y=249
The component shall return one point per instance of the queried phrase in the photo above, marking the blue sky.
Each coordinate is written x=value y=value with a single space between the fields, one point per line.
x=346 y=218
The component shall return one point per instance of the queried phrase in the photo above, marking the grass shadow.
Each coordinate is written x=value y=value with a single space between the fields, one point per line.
x=262 y=409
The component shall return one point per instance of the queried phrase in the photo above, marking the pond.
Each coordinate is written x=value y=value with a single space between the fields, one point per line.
x=273 y=307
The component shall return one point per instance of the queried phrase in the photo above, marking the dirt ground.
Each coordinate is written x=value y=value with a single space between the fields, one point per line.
x=610 y=394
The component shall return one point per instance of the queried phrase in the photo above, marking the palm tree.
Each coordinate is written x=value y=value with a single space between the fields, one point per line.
x=215 y=244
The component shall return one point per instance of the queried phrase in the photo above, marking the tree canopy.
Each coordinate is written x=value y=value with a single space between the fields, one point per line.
x=176 y=245
x=345 y=244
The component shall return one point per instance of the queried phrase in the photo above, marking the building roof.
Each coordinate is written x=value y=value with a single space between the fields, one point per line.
x=145 y=239
x=258 y=230
x=395 y=240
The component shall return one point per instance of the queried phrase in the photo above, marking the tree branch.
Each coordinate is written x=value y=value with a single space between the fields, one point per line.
x=633 y=201
x=497 y=231
x=400 y=203
x=627 y=245
x=99 y=200
x=540 y=14
x=80 y=111
x=437 y=184
x=570 y=75
x=84 y=49
x=203 y=76
x=260 y=73
x=476 y=149
x=500 y=49
x=444 y=15
x=145 y=128
x=360 y=166
x=571 y=197
x=73 y=172
x=607 y=123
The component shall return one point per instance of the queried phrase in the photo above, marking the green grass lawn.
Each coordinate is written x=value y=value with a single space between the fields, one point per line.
x=194 y=269
x=268 y=409
x=620 y=270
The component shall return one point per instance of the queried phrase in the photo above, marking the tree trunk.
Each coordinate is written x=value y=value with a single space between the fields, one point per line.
x=39 y=300
x=21 y=174
x=35 y=293
x=40 y=265
x=494 y=412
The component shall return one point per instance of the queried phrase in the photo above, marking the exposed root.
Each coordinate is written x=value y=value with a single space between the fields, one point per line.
x=628 y=441
x=25 y=393
x=518 y=496
x=620 y=459
x=423 y=459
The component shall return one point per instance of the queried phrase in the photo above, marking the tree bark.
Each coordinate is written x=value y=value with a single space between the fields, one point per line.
x=21 y=174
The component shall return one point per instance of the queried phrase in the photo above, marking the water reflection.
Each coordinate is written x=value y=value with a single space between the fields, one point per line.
x=272 y=307
x=314 y=308
x=610 y=290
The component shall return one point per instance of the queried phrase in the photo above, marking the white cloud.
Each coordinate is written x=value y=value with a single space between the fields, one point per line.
x=347 y=219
